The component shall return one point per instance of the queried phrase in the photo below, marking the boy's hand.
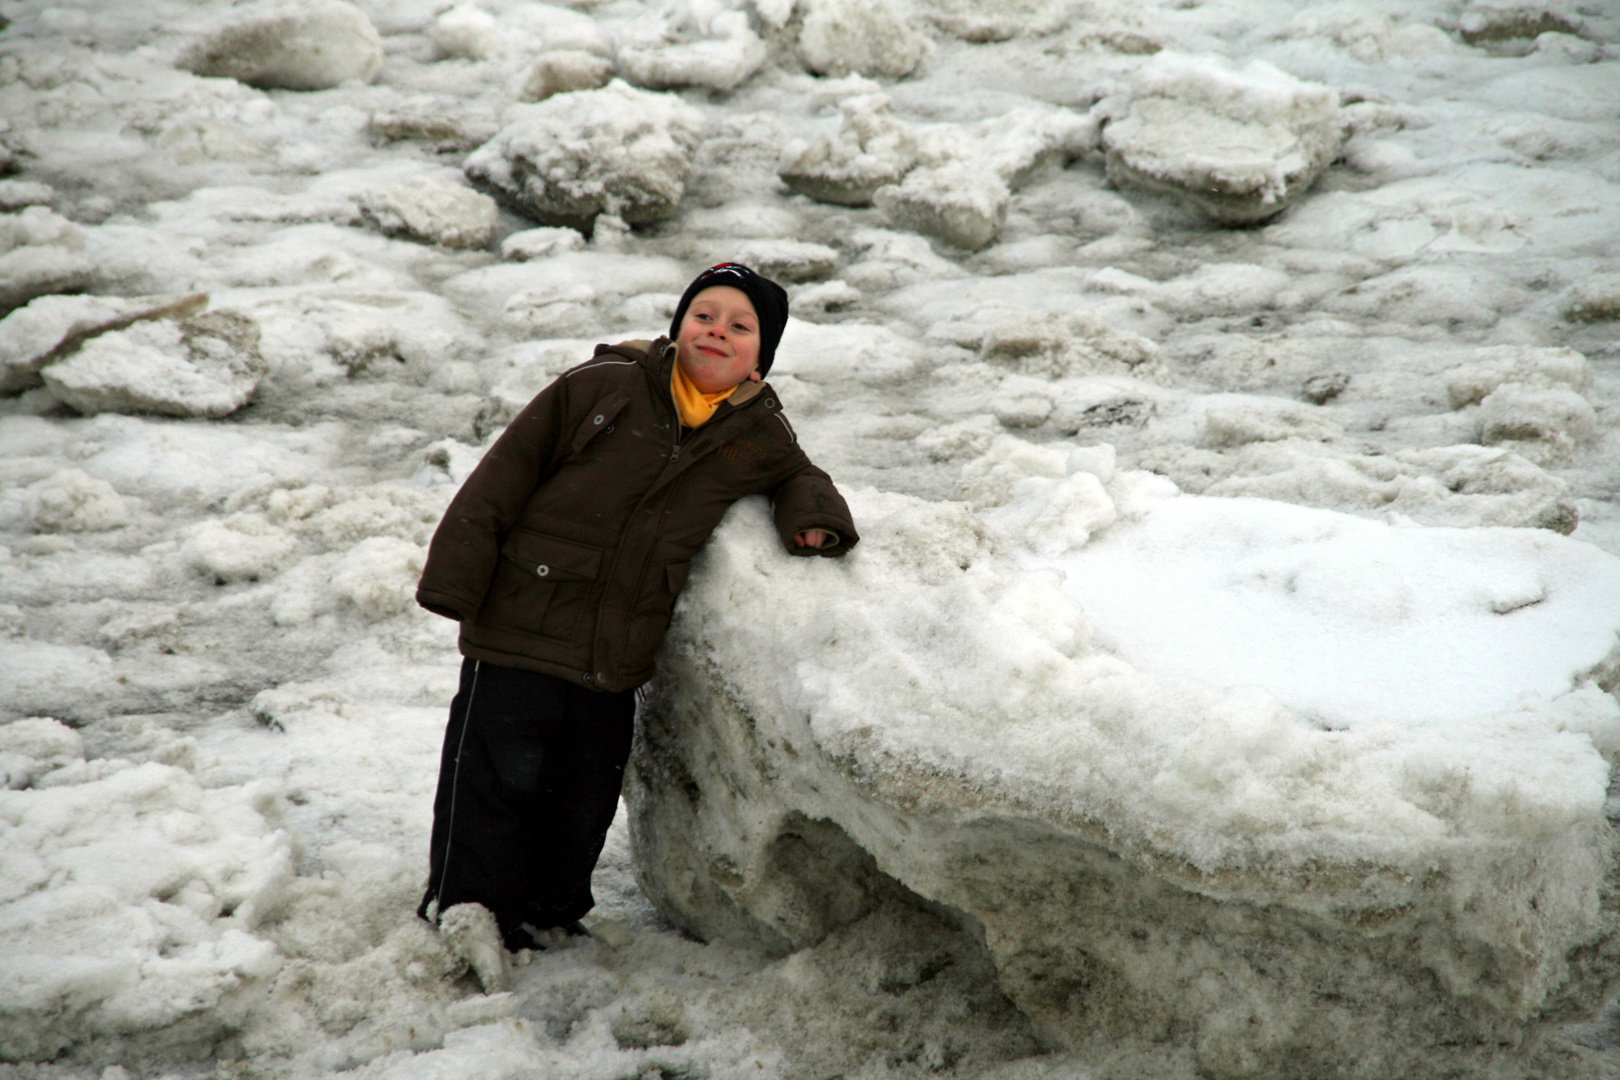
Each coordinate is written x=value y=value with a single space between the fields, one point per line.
x=813 y=538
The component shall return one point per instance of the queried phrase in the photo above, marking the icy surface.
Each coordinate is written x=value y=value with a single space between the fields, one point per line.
x=1330 y=721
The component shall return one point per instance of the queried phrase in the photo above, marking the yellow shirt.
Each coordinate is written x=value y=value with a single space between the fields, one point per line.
x=694 y=405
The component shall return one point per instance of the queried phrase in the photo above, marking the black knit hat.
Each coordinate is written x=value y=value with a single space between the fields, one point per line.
x=769 y=299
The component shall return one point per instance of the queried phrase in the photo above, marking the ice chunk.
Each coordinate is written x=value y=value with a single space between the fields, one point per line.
x=1238 y=143
x=17 y=194
x=1594 y=299
x=697 y=43
x=465 y=32
x=71 y=500
x=433 y=210
x=1238 y=422
x=207 y=365
x=1058 y=346
x=540 y=243
x=872 y=148
x=1543 y=423
x=444 y=133
x=868 y=37
x=51 y=327
x=996 y=20
x=561 y=72
x=40 y=252
x=1498 y=22
x=617 y=150
x=289 y=45
x=1214 y=734
x=1493 y=366
x=788 y=260
x=956 y=203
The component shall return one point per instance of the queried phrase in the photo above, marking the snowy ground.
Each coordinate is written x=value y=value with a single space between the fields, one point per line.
x=222 y=710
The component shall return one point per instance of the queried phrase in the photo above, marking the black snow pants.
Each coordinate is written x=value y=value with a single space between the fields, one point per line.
x=528 y=784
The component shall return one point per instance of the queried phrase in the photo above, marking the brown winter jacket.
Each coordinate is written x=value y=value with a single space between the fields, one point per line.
x=565 y=549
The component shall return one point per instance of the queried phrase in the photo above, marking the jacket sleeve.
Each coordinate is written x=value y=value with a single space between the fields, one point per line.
x=807 y=499
x=466 y=547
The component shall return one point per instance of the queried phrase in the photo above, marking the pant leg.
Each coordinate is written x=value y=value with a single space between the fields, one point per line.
x=528 y=783
x=580 y=782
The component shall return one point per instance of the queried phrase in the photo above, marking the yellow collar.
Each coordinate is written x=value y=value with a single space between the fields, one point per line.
x=694 y=405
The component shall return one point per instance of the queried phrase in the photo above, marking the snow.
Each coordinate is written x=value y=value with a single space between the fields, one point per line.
x=1233 y=633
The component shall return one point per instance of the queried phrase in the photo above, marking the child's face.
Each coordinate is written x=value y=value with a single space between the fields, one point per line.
x=718 y=344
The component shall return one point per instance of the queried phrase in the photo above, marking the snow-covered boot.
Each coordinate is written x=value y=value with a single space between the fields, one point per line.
x=470 y=933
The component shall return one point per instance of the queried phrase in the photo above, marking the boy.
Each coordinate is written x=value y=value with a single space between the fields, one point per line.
x=562 y=556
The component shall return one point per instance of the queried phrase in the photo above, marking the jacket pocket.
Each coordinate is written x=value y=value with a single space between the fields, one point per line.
x=551 y=557
x=543 y=585
x=599 y=419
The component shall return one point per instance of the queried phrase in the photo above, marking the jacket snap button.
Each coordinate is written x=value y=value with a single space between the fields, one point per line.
x=770 y=403
x=587 y=676
x=598 y=419
x=542 y=569
x=608 y=429
x=601 y=678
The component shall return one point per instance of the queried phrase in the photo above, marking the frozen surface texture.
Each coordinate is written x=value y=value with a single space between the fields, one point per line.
x=617 y=150
x=1341 y=874
x=289 y=44
x=1295 y=773
x=1238 y=143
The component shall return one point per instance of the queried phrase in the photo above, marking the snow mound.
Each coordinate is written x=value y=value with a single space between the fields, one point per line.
x=432 y=210
x=379 y=575
x=207 y=365
x=617 y=150
x=465 y=32
x=695 y=43
x=561 y=72
x=242 y=547
x=1294 y=788
x=867 y=37
x=131 y=896
x=70 y=500
x=289 y=45
x=1240 y=144
x=40 y=252
x=872 y=148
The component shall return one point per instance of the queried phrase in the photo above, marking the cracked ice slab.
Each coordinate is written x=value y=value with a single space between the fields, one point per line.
x=1279 y=782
